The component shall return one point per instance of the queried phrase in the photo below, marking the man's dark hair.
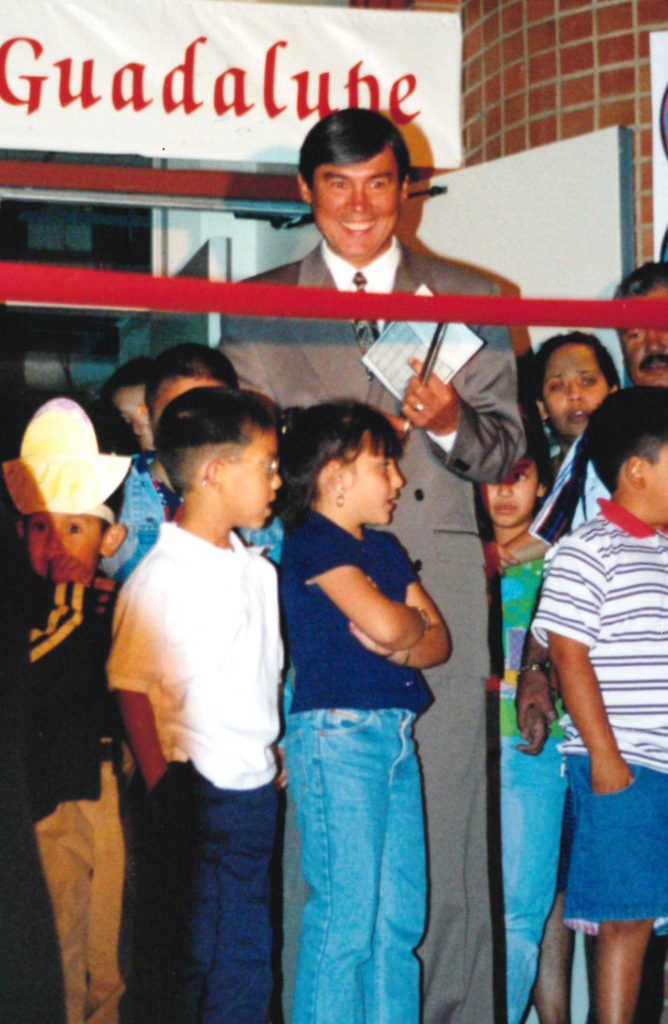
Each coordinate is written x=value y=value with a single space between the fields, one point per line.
x=129 y=375
x=351 y=136
x=557 y=341
x=643 y=280
x=189 y=360
x=629 y=422
x=207 y=418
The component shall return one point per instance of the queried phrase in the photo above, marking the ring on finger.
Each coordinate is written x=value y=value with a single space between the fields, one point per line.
x=419 y=407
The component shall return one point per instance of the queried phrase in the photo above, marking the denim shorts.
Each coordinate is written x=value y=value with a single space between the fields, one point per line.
x=619 y=862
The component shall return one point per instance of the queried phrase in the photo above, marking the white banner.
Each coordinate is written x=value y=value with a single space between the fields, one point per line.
x=659 y=65
x=221 y=81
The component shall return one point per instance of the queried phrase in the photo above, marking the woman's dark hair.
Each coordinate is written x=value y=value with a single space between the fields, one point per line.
x=310 y=438
x=351 y=136
x=207 y=418
x=557 y=341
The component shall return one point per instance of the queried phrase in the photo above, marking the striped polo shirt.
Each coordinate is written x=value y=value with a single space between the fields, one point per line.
x=607 y=587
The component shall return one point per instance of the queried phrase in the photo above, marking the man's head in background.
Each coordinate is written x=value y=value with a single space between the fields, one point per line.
x=126 y=391
x=645 y=349
x=353 y=172
x=181 y=368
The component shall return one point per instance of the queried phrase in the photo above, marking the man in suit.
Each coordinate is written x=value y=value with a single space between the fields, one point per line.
x=353 y=172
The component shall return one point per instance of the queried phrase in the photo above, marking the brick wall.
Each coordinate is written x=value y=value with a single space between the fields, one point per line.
x=536 y=71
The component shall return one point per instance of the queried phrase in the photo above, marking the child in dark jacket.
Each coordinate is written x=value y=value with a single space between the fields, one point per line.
x=61 y=485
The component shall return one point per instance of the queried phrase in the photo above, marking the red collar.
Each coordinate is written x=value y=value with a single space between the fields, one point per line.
x=626 y=521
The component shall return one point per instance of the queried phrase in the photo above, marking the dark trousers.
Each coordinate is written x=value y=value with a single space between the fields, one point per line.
x=225 y=970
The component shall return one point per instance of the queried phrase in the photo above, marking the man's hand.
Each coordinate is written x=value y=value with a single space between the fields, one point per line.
x=433 y=406
x=402 y=426
x=535 y=731
x=610 y=774
x=535 y=710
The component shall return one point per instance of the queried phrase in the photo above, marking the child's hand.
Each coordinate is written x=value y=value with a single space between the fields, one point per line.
x=367 y=642
x=281 y=780
x=66 y=568
x=171 y=799
x=610 y=774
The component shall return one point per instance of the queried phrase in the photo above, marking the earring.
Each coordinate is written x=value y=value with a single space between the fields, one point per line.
x=340 y=499
x=203 y=482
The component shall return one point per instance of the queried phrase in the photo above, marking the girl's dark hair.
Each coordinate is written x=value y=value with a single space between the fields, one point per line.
x=207 y=418
x=310 y=438
x=557 y=341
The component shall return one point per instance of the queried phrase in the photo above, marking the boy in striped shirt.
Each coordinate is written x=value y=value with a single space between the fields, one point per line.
x=604 y=614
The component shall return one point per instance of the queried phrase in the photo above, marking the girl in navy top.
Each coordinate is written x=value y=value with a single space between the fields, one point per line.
x=360 y=626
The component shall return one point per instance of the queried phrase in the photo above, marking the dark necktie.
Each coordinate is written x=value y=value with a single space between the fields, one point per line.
x=366 y=331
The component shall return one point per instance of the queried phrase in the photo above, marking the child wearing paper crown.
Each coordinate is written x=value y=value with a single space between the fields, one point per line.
x=63 y=488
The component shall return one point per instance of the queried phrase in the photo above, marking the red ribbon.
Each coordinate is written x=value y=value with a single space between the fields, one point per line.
x=37 y=284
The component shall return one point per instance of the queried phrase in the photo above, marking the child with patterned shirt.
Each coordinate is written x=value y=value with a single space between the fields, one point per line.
x=604 y=612
x=532 y=789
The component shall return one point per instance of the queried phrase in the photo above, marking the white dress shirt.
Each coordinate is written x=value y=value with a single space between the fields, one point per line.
x=380 y=275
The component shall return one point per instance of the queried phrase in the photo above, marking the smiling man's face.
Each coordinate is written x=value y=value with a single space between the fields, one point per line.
x=356 y=206
x=646 y=350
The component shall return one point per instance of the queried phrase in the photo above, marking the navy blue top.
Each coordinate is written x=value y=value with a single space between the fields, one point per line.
x=332 y=668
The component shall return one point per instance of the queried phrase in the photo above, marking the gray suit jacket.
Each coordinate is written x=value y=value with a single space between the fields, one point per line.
x=299 y=362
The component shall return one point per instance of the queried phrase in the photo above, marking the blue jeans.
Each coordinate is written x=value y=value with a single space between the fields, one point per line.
x=618 y=869
x=356 y=782
x=532 y=807
x=226 y=971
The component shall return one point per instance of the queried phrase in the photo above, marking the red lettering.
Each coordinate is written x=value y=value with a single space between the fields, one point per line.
x=322 y=106
x=186 y=71
x=398 y=95
x=353 y=86
x=270 y=104
x=136 y=97
x=35 y=82
x=65 y=94
x=221 y=105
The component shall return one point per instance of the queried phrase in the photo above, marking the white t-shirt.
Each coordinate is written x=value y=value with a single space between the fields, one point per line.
x=196 y=629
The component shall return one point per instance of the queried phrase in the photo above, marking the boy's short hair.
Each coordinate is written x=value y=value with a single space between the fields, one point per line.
x=188 y=360
x=207 y=418
x=557 y=341
x=351 y=136
x=629 y=422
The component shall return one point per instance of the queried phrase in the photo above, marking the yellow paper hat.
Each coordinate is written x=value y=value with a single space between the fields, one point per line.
x=60 y=468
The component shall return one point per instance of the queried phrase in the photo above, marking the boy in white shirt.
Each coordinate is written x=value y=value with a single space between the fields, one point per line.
x=196 y=659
